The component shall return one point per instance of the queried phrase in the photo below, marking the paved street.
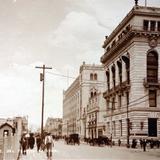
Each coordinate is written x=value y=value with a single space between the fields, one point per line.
x=65 y=152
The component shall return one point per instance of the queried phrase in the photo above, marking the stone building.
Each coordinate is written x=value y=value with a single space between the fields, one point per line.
x=54 y=126
x=90 y=82
x=132 y=64
x=95 y=124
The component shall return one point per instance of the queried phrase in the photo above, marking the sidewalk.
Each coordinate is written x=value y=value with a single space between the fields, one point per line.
x=34 y=155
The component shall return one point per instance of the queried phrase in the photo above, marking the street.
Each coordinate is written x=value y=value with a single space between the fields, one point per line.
x=62 y=151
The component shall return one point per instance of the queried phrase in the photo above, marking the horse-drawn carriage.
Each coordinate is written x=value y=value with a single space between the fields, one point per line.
x=101 y=140
x=72 y=139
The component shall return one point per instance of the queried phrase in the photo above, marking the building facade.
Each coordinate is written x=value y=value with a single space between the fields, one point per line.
x=54 y=126
x=76 y=98
x=132 y=65
x=95 y=124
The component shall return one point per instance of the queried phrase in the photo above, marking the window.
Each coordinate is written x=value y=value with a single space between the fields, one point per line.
x=91 y=94
x=145 y=25
x=114 y=75
x=119 y=63
x=91 y=76
x=152 y=67
x=153 y=25
x=152 y=98
x=142 y=125
x=95 y=76
x=107 y=105
x=152 y=127
x=108 y=79
x=119 y=101
x=120 y=126
x=113 y=103
x=127 y=62
x=158 y=28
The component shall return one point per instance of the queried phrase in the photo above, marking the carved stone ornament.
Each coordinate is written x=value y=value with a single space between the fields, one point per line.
x=153 y=43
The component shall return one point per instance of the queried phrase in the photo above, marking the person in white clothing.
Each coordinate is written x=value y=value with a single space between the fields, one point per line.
x=49 y=143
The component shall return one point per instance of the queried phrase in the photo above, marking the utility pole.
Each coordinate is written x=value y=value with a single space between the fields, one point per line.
x=145 y=3
x=42 y=78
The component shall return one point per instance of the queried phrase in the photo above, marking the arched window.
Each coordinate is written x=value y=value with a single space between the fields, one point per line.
x=95 y=93
x=91 y=94
x=114 y=75
x=119 y=64
x=95 y=76
x=152 y=67
x=127 y=62
x=108 y=79
x=91 y=76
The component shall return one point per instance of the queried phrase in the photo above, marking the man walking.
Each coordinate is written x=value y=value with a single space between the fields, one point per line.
x=49 y=143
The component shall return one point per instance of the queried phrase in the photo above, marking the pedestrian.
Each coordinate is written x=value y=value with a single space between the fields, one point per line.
x=119 y=142
x=140 y=142
x=144 y=144
x=38 y=142
x=31 y=141
x=49 y=143
x=23 y=143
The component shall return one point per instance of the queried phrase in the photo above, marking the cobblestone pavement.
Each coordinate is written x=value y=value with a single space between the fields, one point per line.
x=62 y=151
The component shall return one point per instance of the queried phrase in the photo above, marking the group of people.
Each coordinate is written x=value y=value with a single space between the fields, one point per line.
x=143 y=143
x=29 y=141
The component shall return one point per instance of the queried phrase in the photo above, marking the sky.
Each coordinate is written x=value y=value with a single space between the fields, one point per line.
x=58 y=33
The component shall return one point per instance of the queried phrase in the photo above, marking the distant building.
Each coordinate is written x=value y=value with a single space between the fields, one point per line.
x=96 y=109
x=54 y=126
x=16 y=125
x=6 y=130
x=132 y=64
x=89 y=83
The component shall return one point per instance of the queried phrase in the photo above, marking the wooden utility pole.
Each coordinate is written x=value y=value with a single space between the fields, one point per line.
x=42 y=78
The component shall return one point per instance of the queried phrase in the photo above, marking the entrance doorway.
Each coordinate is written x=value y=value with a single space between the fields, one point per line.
x=152 y=127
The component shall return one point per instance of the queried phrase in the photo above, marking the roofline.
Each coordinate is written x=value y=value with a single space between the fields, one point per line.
x=134 y=11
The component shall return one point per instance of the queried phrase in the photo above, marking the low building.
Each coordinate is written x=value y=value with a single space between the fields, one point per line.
x=6 y=130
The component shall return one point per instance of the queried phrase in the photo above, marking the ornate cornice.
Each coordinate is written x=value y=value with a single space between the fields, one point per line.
x=151 y=36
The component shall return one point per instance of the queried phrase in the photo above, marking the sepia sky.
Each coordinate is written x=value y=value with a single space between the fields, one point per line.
x=59 y=33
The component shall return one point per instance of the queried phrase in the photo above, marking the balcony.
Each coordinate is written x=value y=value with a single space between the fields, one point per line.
x=124 y=86
x=151 y=83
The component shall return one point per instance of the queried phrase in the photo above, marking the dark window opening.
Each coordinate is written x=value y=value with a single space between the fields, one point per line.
x=113 y=103
x=121 y=131
x=120 y=71
x=145 y=25
x=142 y=125
x=114 y=75
x=108 y=80
x=127 y=62
x=152 y=127
x=152 y=67
x=91 y=94
x=153 y=25
x=158 y=27
x=120 y=101
x=152 y=98
x=91 y=76
x=95 y=76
